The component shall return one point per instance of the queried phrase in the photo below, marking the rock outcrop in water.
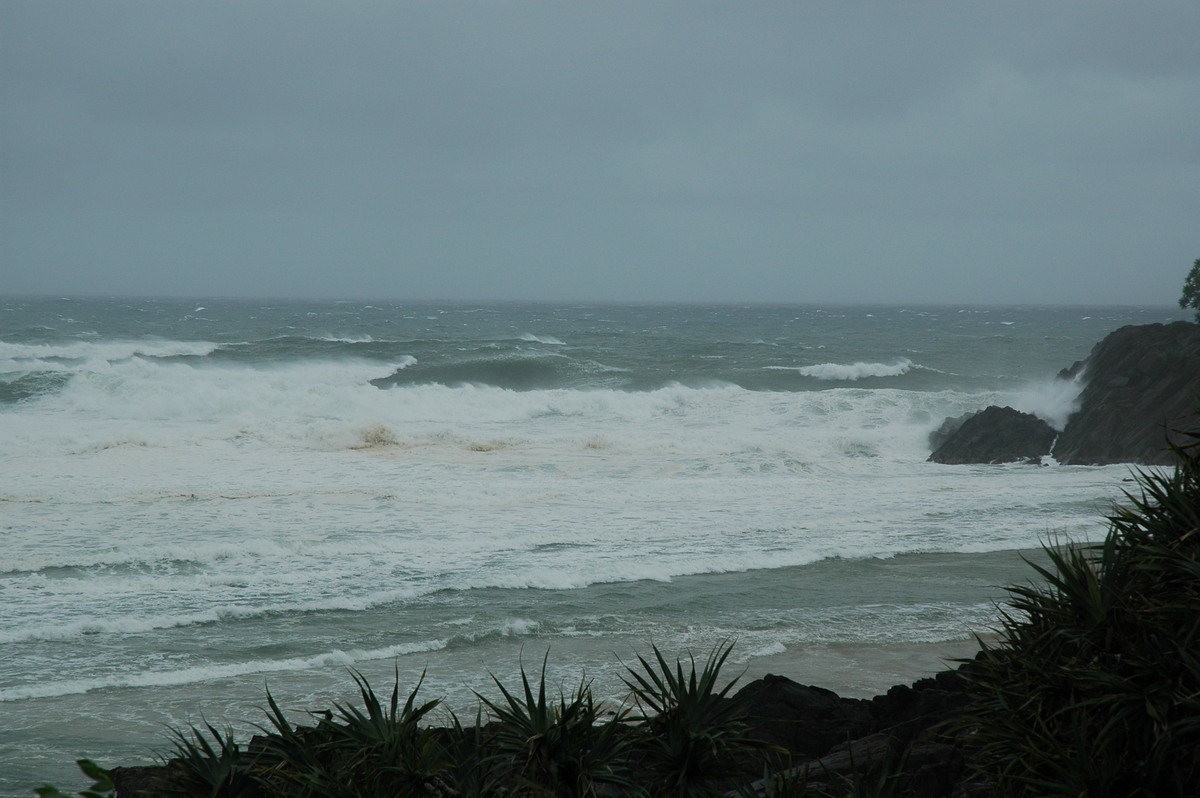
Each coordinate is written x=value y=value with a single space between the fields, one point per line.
x=997 y=435
x=1140 y=383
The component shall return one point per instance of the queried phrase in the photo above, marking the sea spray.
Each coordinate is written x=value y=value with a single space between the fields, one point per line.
x=1052 y=400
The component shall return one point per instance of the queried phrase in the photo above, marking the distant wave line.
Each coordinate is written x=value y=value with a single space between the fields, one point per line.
x=542 y=579
x=851 y=372
x=110 y=351
x=541 y=339
x=203 y=673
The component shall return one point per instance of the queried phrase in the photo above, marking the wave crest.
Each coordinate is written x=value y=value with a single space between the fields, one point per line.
x=205 y=673
x=853 y=371
x=1054 y=401
x=542 y=339
x=114 y=350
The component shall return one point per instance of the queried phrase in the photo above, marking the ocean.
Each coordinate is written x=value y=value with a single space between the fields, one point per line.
x=203 y=500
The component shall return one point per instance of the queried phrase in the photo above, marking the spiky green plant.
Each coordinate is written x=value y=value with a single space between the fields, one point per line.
x=380 y=749
x=559 y=747
x=1094 y=686
x=199 y=768
x=690 y=733
x=473 y=769
x=385 y=749
x=290 y=761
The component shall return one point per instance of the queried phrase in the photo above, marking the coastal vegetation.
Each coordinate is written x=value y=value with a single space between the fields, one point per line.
x=1090 y=688
x=1094 y=687
x=1190 y=297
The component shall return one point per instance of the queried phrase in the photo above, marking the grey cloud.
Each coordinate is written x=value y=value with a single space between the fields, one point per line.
x=947 y=151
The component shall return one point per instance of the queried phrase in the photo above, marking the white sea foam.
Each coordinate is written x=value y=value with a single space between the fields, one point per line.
x=766 y=650
x=132 y=624
x=145 y=391
x=347 y=339
x=1054 y=401
x=95 y=353
x=207 y=673
x=332 y=406
x=851 y=372
x=542 y=339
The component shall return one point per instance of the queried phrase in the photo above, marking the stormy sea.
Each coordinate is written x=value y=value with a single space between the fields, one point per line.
x=203 y=500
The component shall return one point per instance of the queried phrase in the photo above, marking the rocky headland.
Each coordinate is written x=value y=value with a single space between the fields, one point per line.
x=1139 y=385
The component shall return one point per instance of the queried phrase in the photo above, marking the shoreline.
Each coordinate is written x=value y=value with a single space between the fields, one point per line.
x=859 y=670
x=828 y=723
x=853 y=671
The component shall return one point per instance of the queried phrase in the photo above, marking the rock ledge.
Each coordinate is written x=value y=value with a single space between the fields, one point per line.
x=1140 y=383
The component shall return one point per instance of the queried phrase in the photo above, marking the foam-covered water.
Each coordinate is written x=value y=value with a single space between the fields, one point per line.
x=200 y=499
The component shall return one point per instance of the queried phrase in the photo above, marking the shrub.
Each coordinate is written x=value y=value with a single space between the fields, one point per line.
x=204 y=769
x=690 y=734
x=381 y=749
x=560 y=747
x=1094 y=685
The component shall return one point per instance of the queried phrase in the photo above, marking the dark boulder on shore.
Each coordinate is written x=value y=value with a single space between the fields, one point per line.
x=997 y=435
x=808 y=721
x=1140 y=383
x=832 y=741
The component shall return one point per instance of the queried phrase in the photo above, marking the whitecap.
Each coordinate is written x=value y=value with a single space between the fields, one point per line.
x=542 y=339
x=205 y=673
x=766 y=650
x=113 y=350
x=851 y=372
x=347 y=339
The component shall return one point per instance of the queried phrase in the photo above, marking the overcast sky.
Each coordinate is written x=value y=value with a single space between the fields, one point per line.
x=1002 y=152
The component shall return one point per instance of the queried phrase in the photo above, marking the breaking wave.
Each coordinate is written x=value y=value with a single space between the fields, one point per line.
x=542 y=339
x=204 y=673
x=1054 y=401
x=851 y=372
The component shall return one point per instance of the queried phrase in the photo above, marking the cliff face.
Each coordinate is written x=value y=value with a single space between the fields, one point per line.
x=1140 y=382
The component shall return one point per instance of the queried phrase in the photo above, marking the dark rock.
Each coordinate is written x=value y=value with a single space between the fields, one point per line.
x=908 y=711
x=805 y=720
x=905 y=735
x=1140 y=382
x=946 y=431
x=854 y=756
x=997 y=435
x=138 y=781
x=923 y=769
